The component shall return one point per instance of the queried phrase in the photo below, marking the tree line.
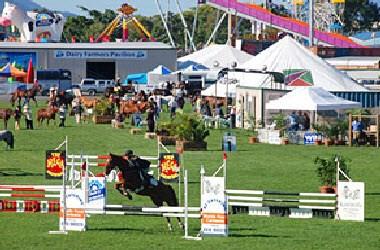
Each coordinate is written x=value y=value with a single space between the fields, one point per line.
x=359 y=15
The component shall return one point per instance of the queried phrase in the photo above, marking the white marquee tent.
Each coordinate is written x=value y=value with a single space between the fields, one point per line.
x=224 y=54
x=288 y=54
x=312 y=99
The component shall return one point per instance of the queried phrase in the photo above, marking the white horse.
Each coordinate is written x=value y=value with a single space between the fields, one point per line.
x=33 y=25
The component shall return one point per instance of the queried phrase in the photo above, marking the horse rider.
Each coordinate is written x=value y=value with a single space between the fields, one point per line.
x=133 y=161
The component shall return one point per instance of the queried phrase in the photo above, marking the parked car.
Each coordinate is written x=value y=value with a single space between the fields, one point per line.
x=94 y=86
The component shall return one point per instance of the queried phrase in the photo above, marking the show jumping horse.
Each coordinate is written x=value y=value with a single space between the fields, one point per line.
x=132 y=182
x=8 y=137
x=25 y=93
x=5 y=114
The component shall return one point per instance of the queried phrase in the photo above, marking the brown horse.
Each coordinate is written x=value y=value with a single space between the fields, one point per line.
x=5 y=114
x=28 y=93
x=130 y=107
x=46 y=113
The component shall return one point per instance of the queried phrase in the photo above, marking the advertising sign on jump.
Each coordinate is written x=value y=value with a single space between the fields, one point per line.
x=214 y=207
x=351 y=201
x=75 y=211
x=96 y=193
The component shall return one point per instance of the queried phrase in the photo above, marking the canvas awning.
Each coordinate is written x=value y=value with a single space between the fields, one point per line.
x=312 y=99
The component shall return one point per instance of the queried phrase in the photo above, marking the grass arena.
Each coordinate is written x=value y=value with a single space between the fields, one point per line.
x=288 y=168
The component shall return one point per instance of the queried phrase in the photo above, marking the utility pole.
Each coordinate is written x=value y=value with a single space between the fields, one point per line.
x=311 y=23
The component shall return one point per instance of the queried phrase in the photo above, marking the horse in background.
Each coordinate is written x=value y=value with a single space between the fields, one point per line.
x=5 y=114
x=132 y=182
x=131 y=107
x=8 y=137
x=46 y=114
x=25 y=93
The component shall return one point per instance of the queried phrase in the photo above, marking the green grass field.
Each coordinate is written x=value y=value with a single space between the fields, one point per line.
x=259 y=166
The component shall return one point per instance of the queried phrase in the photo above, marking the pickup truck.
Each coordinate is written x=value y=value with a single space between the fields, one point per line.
x=92 y=86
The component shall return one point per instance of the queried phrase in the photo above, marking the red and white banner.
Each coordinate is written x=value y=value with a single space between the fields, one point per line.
x=214 y=207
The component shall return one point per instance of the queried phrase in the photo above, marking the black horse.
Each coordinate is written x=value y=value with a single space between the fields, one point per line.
x=133 y=183
x=8 y=137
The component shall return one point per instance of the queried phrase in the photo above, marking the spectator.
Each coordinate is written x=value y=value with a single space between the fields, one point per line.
x=28 y=116
x=356 y=131
x=150 y=119
x=173 y=106
x=307 y=121
x=208 y=109
x=17 y=118
x=62 y=114
x=292 y=121
x=301 y=121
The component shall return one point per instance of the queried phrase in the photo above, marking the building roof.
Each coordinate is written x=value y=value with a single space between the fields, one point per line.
x=126 y=45
x=369 y=61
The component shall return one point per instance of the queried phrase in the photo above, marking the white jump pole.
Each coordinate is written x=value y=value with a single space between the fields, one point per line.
x=63 y=231
x=186 y=208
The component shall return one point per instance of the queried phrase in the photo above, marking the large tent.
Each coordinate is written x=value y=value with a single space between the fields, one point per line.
x=312 y=99
x=225 y=55
x=301 y=68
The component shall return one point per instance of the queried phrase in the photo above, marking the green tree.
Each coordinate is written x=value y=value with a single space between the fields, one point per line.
x=359 y=15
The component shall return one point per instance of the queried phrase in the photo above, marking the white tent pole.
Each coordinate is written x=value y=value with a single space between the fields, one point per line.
x=185 y=25
x=165 y=24
x=216 y=29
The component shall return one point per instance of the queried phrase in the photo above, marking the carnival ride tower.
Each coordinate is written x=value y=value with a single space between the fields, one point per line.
x=123 y=19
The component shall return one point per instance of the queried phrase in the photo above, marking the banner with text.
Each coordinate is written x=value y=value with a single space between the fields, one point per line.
x=351 y=201
x=114 y=54
x=214 y=206
x=96 y=193
x=55 y=162
x=75 y=219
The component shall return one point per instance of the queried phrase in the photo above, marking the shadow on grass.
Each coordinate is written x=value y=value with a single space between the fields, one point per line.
x=253 y=235
x=372 y=219
x=374 y=194
x=17 y=172
x=116 y=229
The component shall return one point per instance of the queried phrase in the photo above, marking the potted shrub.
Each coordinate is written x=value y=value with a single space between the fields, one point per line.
x=190 y=132
x=326 y=171
x=103 y=112
x=252 y=126
x=165 y=133
x=317 y=128
x=342 y=127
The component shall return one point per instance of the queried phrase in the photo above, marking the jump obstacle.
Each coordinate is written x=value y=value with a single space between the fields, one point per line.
x=33 y=195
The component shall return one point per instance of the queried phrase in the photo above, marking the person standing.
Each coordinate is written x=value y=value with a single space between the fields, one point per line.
x=28 y=116
x=173 y=106
x=17 y=117
x=62 y=114
x=307 y=121
x=150 y=119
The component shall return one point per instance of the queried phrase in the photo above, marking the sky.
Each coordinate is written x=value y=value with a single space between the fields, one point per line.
x=144 y=7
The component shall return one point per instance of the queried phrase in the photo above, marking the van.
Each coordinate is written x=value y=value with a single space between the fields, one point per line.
x=94 y=86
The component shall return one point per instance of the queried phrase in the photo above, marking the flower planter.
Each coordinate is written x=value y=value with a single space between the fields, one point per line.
x=190 y=146
x=285 y=141
x=103 y=119
x=327 y=189
x=167 y=140
x=252 y=139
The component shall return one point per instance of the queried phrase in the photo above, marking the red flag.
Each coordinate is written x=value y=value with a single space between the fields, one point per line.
x=30 y=73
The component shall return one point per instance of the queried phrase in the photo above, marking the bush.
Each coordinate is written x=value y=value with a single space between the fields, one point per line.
x=102 y=107
x=186 y=127
x=326 y=169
